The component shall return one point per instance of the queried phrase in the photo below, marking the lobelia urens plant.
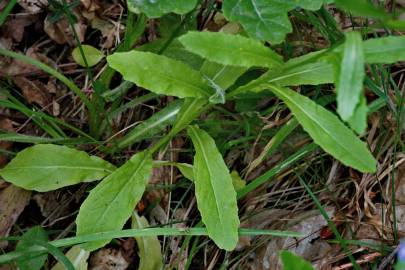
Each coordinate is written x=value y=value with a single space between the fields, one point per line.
x=227 y=57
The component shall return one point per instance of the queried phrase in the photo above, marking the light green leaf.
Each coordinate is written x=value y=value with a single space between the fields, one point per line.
x=186 y=170
x=157 y=8
x=385 y=50
x=358 y=121
x=110 y=203
x=222 y=76
x=266 y=19
x=150 y=253
x=151 y=126
x=349 y=84
x=77 y=256
x=294 y=262
x=237 y=181
x=34 y=261
x=327 y=131
x=215 y=194
x=191 y=109
x=92 y=55
x=170 y=77
x=46 y=167
x=222 y=48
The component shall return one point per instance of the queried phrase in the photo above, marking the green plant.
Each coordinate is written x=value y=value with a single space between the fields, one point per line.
x=225 y=61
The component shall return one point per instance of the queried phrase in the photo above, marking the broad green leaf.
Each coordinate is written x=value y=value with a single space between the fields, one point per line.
x=294 y=262
x=349 y=84
x=151 y=126
x=34 y=261
x=266 y=19
x=150 y=253
x=160 y=74
x=358 y=121
x=92 y=55
x=327 y=131
x=46 y=167
x=385 y=50
x=77 y=256
x=110 y=203
x=157 y=8
x=362 y=8
x=215 y=194
x=223 y=48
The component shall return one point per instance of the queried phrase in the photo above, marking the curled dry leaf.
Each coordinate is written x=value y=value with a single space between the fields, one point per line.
x=12 y=202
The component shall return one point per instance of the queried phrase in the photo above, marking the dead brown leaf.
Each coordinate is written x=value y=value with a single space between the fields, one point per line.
x=33 y=6
x=108 y=259
x=5 y=125
x=61 y=31
x=15 y=26
x=34 y=91
x=12 y=202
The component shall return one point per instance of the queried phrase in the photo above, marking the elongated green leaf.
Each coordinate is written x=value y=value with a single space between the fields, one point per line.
x=77 y=256
x=45 y=167
x=160 y=74
x=266 y=19
x=150 y=253
x=327 y=131
x=311 y=74
x=155 y=9
x=384 y=50
x=215 y=194
x=153 y=125
x=190 y=110
x=220 y=75
x=92 y=55
x=358 y=121
x=110 y=203
x=222 y=48
x=294 y=262
x=349 y=84
x=34 y=261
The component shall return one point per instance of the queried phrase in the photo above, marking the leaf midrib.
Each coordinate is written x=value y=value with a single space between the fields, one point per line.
x=321 y=126
x=209 y=171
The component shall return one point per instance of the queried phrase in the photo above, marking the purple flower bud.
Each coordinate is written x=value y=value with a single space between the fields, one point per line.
x=401 y=252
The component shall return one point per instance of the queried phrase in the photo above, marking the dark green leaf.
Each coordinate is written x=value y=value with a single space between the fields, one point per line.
x=34 y=261
x=266 y=19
